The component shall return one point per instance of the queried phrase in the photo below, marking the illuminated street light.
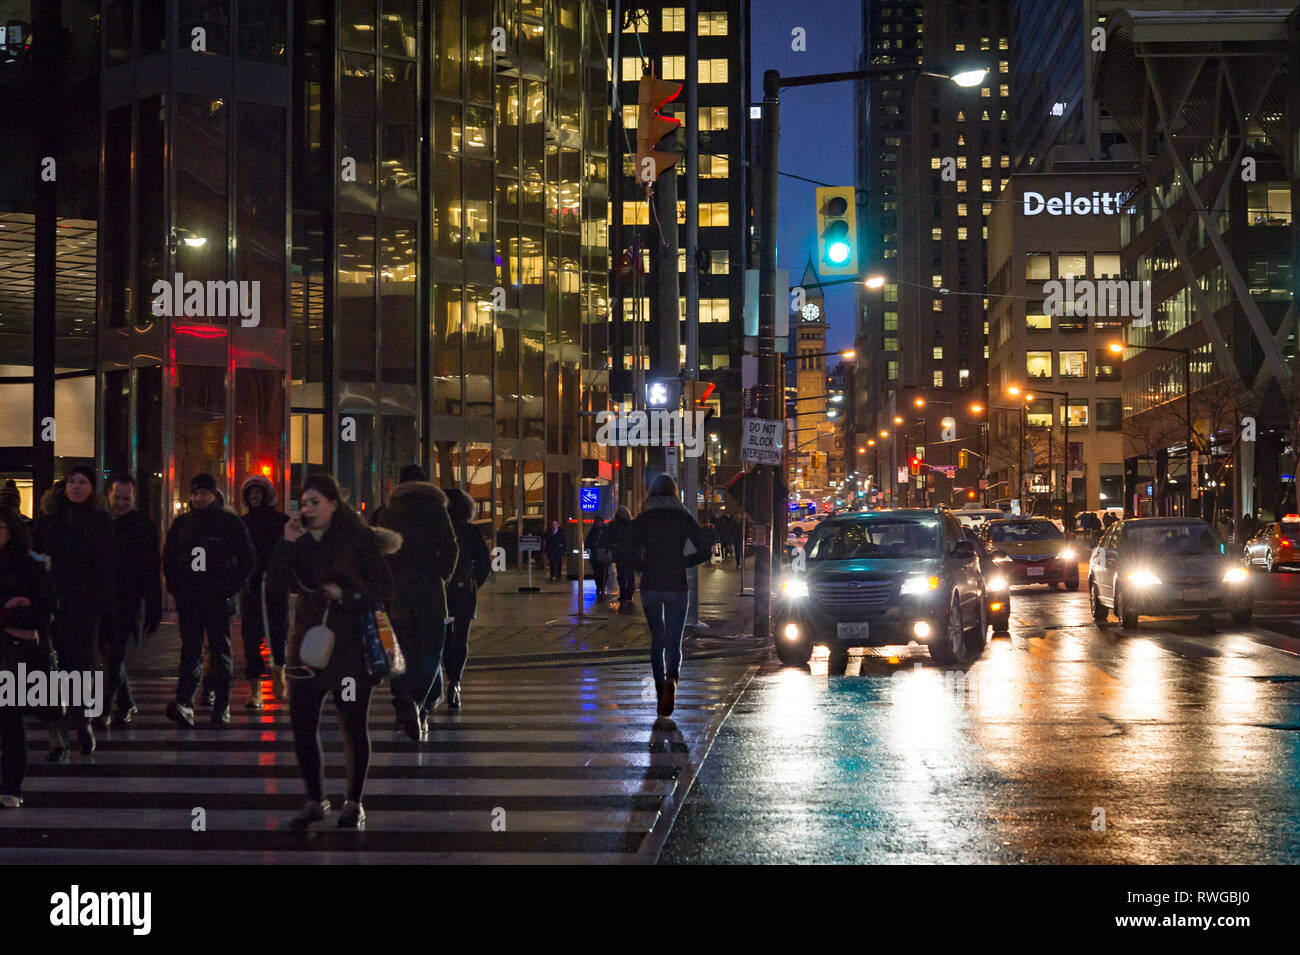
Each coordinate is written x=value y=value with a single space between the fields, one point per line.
x=875 y=281
x=976 y=409
x=970 y=77
x=884 y=434
x=919 y=402
x=1116 y=347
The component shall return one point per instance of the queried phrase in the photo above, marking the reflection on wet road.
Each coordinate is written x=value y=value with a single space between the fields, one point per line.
x=1067 y=743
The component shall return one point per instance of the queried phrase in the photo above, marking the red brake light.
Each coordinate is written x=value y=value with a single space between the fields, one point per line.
x=1284 y=542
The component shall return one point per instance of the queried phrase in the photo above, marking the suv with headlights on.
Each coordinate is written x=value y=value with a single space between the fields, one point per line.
x=1173 y=566
x=1032 y=550
x=881 y=578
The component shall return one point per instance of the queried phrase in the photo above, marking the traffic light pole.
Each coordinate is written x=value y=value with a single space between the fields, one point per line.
x=689 y=466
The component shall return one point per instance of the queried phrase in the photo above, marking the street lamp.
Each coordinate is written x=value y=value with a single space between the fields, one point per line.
x=875 y=281
x=1118 y=349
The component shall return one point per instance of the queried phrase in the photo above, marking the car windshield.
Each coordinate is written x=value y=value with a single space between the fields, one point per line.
x=882 y=537
x=1172 y=539
x=1017 y=531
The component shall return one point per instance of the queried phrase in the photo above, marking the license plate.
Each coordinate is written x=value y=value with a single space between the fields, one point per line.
x=1191 y=596
x=851 y=631
x=1034 y=572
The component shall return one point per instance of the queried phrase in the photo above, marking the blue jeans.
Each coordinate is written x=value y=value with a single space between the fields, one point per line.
x=665 y=612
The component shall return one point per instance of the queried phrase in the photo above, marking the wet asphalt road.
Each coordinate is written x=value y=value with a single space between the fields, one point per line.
x=1178 y=742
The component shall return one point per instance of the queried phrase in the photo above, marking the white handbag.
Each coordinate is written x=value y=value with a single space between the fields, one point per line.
x=317 y=644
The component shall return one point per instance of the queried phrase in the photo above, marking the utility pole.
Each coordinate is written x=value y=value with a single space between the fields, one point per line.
x=689 y=468
x=767 y=377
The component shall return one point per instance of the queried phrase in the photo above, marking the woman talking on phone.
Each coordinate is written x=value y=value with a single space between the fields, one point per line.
x=337 y=565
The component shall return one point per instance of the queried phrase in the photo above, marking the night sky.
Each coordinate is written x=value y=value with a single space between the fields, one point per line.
x=817 y=126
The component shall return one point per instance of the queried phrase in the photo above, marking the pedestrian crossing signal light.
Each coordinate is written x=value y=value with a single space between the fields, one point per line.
x=652 y=126
x=837 y=231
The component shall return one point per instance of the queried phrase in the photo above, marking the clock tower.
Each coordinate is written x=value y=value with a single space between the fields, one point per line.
x=808 y=384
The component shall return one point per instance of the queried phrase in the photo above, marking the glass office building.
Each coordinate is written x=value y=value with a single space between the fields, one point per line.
x=381 y=232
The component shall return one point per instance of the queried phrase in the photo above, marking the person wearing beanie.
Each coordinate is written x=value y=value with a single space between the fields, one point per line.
x=417 y=510
x=207 y=559
x=263 y=606
x=473 y=564
x=76 y=536
x=667 y=541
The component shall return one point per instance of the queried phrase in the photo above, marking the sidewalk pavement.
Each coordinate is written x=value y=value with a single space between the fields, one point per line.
x=514 y=628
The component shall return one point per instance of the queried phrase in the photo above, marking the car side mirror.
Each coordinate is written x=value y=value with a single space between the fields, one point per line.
x=963 y=550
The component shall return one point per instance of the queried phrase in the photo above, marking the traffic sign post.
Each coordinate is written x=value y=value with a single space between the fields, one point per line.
x=761 y=441
x=530 y=544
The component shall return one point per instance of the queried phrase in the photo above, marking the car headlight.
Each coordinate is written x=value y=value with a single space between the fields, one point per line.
x=919 y=585
x=1235 y=575
x=1067 y=553
x=794 y=588
x=997 y=582
x=1143 y=578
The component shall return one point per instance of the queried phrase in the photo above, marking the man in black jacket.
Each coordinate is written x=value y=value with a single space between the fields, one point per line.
x=139 y=591
x=417 y=510
x=473 y=564
x=206 y=560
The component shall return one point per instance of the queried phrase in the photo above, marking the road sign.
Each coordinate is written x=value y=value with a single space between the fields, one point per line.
x=761 y=441
x=670 y=459
x=984 y=484
x=949 y=470
x=530 y=542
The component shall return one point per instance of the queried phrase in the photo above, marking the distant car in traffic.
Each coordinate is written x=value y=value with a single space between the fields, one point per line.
x=1172 y=566
x=880 y=578
x=1032 y=550
x=976 y=517
x=1274 y=546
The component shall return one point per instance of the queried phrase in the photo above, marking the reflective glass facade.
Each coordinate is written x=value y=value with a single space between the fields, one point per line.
x=342 y=236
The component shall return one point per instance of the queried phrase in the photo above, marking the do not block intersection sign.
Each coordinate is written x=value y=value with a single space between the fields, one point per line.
x=761 y=441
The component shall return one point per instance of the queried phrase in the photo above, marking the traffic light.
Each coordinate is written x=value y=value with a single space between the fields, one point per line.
x=837 y=231
x=970 y=495
x=652 y=126
x=962 y=458
x=916 y=465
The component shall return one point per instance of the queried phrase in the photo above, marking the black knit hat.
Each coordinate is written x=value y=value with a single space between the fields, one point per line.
x=203 y=482
x=412 y=472
x=86 y=471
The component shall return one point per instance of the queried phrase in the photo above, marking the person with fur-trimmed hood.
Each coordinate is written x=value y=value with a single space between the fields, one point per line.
x=263 y=607
x=338 y=565
x=417 y=509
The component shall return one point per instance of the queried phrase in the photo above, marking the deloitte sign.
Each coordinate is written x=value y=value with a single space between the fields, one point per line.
x=1099 y=203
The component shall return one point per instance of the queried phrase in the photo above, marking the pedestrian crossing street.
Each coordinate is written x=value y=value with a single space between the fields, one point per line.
x=541 y=765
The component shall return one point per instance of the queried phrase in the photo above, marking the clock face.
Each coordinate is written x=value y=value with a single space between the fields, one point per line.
x=811 y=311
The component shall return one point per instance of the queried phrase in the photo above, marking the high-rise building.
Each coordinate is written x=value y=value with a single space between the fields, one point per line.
x=324 y=236
x=655 y=35
x=953 y=162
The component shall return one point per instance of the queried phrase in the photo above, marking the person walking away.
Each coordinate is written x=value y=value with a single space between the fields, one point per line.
x=623 y=546
x=667 y=541
x=26 y=605
x=76 y=535
x=417 y=510
x=598 y=546
x=473 y=565
x=738 y=541
x=338 y=564
x=554 y=544
x=207 y=558
x=136 y=546
x=263 y=609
